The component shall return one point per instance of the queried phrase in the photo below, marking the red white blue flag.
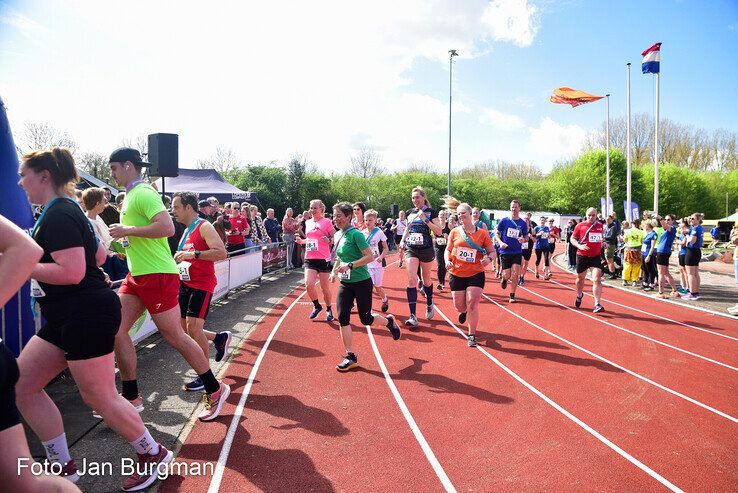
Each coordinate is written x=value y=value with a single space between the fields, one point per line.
x=651 y=59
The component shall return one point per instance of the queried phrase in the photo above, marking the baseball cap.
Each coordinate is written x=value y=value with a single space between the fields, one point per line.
x=203 y=203
x=123 y=154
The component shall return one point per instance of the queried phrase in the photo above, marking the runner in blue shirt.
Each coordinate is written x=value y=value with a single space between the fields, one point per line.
x=693 y=256
x=542 y=247
x=663 y=252
x=511 y=233
x=683 y=277
x=647 y=251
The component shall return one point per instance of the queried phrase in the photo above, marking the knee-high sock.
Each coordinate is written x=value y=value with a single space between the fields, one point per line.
x=429 y=294
x=412 y=299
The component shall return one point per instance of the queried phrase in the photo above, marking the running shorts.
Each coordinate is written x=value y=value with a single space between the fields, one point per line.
x=458 y=283
x=508 y=259
x=693 y=257
x=158 y=292
x=9 y=415
x=318 y=264
x=361 y=291
x=377 y=275
x=681 y=259
x=610 y=251
x=423 y=254
x=663 y=258
x=193 y=302
x=527 y=252
x=585 y=263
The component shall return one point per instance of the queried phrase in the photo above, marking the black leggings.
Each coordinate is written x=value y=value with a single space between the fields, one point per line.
x=441 y=265
x=360 y=291
x=545 y=253
x=650 y=272
x=572 y=250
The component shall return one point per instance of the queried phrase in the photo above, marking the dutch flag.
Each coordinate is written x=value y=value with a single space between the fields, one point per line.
x=651 y=59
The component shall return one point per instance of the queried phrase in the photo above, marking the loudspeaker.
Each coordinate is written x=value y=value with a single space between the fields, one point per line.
x=395 y=210
x=163 y=155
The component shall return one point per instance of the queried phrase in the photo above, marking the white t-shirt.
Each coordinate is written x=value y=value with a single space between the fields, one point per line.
x=401 y=225
x=376 y=238
x=101 y=230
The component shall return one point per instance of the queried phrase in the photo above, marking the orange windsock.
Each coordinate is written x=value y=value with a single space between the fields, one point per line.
x=567 y=95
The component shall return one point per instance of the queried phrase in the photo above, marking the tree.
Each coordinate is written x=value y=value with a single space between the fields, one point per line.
x=682 y=191
x=366 y=163
x=42 y=135
x=95 y=164
x=223 y=161
x=139 y=142
x=294 y=186
x=502 y=170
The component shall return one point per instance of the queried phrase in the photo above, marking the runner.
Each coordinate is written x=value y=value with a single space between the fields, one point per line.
x=197 y=251
x=318 y=258
x=476 y=219
x=152 y=283
x=353 y=255
x=663 y=252
x=377 y=241
x=440 y=246
x=554 y=235
x=648 y=253
x=418 y=247
x=527 y=248
x=693 y=257
x=358 y=218
x=511 y=233
x=81 y=315
x=399 y=229
x=468 y=252
x=683 y=236
x=542 y=234
x=587 y=238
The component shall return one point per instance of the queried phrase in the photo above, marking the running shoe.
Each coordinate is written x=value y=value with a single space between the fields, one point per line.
x=462 y=317
x=634 y=284
x=385 y=306
x=421 y=290
x=393 y=328
x=137 y=403
x=69 y=471
x=648 y=288
x=412 y=321
x=194 y=385
x=598 y=308
x=315 y=312
x=329 y=315
x=503 y=283
x=537 y=276
x=471 y=341
x=440 y=287
x=400 y=264
x=578 y=301
x=146 y=471
x=682 y=290
x=430 y=312
x=349 y=362
x=733 y=309
x=625 y=283
x=214 y=403
x=512 y=298
x=690 y=297
x=222 y=341
x=547 y=277
x=521 y=281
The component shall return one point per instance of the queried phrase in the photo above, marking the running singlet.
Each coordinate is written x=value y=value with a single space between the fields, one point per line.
x=542 y=241
x=350 y=245
x=698 y=232
x=646 y=248
x=418 y=233
x=666 y=240
x=593 y=238
x=467 y=260
x=510 y=230
x=196 y=273
x=374 y=238
x=145 y=255
x=401 y=225
x=554 y=234
x=317 y=244
x=63 y=225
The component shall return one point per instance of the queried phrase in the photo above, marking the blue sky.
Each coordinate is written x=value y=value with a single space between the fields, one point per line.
x=326 y=78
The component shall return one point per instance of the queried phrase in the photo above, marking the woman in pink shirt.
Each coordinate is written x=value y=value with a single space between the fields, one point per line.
x=289 y=229
x=318 y=258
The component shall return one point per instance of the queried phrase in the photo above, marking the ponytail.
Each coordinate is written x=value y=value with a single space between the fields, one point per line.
x=58 y=162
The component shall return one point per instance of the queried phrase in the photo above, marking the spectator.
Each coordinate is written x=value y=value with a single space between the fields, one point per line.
x=110 y=214
x=119 y=199
x=611 y=244
x=715 y=235
x=633 y=244
x=95 y=201
x=235 y=235
x=167 y=200
x=733 y=310
x=246 y=215
x=216 y=207
x=290 y=226
x=572 y=250
x=78 y=197
x=389 y=233
x=272 y=226
x=258 y=231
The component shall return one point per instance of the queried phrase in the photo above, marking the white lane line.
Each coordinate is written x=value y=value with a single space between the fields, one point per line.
x=640 y=465
x=656 y=341
x=445 y=481
x=653 y=314
x=630 y=372
x=228 y=441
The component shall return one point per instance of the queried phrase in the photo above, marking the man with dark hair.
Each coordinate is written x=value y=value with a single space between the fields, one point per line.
x=272 y=226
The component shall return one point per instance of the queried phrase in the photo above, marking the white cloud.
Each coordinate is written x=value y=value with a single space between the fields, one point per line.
x=512 y=20
x=500 y=120
x=554 y=140
x=26 y=26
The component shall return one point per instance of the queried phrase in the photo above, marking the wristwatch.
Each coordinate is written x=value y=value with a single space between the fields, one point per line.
x=197 y=253
x=350 y=265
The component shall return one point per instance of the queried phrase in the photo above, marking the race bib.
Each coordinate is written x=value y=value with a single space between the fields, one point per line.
x=551 y=239
x=311 y=245
x=644 y=248
x=375 y=252
x=124 y=242
x=466 y=254
x=345 y=276
x=415 y=239
x=440 y=241
x=36 y=290
x=513 y=233
x=184 y=270
x=544 y=235
x=524 y=246
x=595 y=237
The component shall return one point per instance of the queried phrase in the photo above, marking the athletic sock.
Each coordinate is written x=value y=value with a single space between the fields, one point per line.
x=328 y=308
x=209 y=381
x=130 y=389
x=316 y=304
x=429 y=294
x=57 y=449
x=145 y=444
x=512 y=296
x=412 y=299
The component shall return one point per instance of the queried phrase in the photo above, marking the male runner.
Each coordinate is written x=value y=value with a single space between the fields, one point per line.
x=587 y=238
x=511 y=233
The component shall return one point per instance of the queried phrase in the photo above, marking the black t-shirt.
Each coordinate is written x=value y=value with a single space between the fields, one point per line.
x=64 y=226
x=417 y=226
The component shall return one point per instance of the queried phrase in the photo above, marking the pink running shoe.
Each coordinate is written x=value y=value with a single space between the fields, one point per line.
x=147 y=469
x=214 y=403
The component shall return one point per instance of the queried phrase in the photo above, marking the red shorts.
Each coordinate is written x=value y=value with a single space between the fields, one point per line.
x=158 y=292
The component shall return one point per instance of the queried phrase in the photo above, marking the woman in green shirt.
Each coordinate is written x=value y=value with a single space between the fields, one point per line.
x=633 y=240
x=353 y=254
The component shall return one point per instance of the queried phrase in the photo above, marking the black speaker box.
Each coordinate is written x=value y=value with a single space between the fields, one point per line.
x=395 y=210
x=163 y=155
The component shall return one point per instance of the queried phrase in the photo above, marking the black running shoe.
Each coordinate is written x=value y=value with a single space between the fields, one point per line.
x=471 y=341
x=503 y=283
x=315 y=312
x=393 y=328
x=349 y=362
x=578 y=301
x=222 y=341
x=521 y=281
x=385 y=306
x=598 y=308
x=462 y=317
x=329 y=316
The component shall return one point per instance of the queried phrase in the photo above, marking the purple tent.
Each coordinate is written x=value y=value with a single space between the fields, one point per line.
x=205 y=183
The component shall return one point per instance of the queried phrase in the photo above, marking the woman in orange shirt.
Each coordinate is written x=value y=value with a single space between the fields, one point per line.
x=468 y=252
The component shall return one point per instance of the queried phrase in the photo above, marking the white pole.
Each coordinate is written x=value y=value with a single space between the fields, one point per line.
x=656 y=151
x=607 y=147
x=628 y=194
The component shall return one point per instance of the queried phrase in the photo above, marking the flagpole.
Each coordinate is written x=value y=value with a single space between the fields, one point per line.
x=656 y=150
x=628 y=197
x=607 y=147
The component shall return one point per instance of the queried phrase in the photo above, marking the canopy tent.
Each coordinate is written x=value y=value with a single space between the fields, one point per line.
x=87 y=181
x=205 y=183
x=731 y=218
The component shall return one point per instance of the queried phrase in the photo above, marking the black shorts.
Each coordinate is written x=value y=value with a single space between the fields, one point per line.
x=422 y=254
x=527 y=252
x=361 y=291
x=508 y=259
x=681 y=259
x=662 y=258
x=318 y=264
x=458 y=283
x=84 y=327
x=584 y=263
x=693 y=257
x=193 y=302
x=9 y=415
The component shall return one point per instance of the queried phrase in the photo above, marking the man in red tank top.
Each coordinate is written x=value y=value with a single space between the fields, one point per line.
x=197 y=251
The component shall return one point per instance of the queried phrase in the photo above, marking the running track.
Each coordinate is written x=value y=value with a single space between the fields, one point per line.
x=640 y=398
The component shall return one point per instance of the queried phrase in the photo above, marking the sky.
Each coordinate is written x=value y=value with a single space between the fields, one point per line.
x=324 y=79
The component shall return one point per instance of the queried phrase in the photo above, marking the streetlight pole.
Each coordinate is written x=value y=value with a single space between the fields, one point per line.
x=451 y=55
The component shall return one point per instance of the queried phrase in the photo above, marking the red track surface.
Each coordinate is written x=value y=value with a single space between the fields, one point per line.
x=306 y=427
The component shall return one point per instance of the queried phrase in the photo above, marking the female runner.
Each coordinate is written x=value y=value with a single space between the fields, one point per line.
x=318 y=259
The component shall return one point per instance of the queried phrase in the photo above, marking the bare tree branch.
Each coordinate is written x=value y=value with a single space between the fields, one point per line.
x=42 y=135
x=366 y=163
x=222 y=161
